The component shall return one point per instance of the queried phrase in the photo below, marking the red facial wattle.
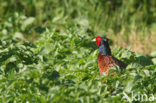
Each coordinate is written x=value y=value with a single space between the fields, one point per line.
x=98 y=40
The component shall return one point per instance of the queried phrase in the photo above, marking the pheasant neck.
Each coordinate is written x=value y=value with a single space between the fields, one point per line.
x=104 y=49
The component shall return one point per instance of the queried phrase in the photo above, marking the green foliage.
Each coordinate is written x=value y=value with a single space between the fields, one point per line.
x=96 y=15
x=61 y=65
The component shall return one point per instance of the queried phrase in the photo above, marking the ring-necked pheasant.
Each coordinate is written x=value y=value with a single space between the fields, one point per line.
x=105 y=59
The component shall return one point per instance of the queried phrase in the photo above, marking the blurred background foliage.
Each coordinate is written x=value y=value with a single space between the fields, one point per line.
x=97 y=14
x=129 y=22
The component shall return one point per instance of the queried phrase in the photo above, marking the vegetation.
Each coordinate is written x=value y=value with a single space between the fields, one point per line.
x=47 y=54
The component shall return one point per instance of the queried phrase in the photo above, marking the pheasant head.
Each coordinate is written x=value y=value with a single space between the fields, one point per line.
x=103 y=44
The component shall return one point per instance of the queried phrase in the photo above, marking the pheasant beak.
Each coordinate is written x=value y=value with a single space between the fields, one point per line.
x=94 y=40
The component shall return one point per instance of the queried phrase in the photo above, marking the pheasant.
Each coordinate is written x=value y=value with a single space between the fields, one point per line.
x=105 y=59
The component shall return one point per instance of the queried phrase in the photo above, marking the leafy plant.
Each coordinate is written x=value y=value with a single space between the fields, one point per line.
x=60 y=65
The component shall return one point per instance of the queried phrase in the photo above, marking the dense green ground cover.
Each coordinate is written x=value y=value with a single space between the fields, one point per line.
x=60 y=65
x=66 y=71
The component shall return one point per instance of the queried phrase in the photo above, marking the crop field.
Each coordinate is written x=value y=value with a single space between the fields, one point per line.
x=47 y=52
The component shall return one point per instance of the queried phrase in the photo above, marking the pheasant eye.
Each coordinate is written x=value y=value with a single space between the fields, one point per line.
x=99 y=39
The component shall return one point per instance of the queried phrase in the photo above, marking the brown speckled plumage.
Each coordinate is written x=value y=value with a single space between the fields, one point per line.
x=105 y=62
